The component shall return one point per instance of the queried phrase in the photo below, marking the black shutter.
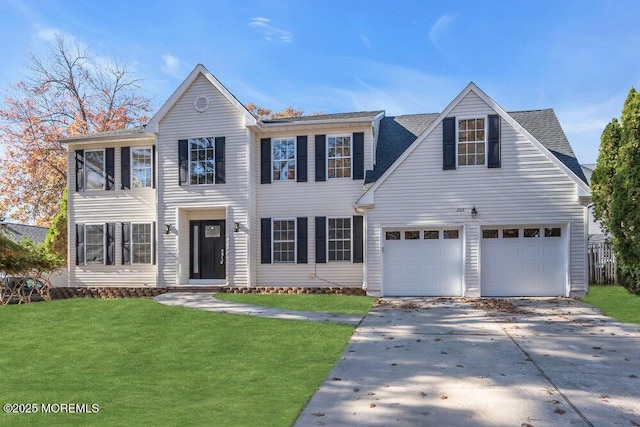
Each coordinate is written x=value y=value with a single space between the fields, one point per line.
x=183 y=161
x=109 y=168
x=265 y=161
x=301 y=159
x=79 y=170
x=154 y=248
x=153 y=166
x=111 y=243
x=126 y=243
x=358 y=239
x=321 y=239
x=220 y=174
x=493 y=142
x=449 y=143
x=125 y=168
x=358 y=155
x=79 y=244
x=302 y=240
x=321 y=158
x=265 y=240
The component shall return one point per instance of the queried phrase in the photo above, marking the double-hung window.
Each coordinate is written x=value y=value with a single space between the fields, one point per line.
x=339 y=156
x=141 y=243
x=339 y=239
x=94 y=170
x=284 y=240
x=202 y=160
x=471 y=138
x=141 y=167
x=283 y=159
x=94 y=243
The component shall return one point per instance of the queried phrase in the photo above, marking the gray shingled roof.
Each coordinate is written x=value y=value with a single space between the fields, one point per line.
x=367 y=115
x=395 y=135
x=588 y=169
x=117 y=132
x=398 y=133
x=17 y=232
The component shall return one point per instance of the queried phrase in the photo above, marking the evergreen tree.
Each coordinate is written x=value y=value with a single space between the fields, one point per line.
x=56 y=241
x=617 y=190
x=602 y=177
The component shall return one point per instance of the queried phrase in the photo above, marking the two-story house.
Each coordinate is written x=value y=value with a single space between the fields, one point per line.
x=471 y=201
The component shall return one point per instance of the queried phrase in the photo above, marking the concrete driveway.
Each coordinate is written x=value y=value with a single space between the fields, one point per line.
x=443 y=362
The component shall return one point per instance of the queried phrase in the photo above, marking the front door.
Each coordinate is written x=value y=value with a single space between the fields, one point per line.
x=207 y=251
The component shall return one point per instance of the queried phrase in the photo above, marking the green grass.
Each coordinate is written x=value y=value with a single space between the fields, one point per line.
x=615 y=301
x=340 y=304
x=148 y=364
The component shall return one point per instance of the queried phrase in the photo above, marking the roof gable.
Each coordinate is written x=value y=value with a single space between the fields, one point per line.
x=559 y=150
x=184 y=86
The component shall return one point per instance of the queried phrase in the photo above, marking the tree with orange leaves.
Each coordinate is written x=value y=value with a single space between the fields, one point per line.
x=68 y=93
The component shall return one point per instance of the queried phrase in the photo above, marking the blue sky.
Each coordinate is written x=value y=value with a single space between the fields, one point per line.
x=578 y=57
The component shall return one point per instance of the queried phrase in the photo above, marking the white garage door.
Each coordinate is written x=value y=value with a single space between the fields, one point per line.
x=522 y=261
x=422 y=262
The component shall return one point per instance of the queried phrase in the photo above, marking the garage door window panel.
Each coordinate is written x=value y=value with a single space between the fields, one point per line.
x=432 y=235
x=510 y=233
x=450 y=234
x=411 y=235
x=490 y=233
x=552 y=232
x=392 y=235
x=531 y=232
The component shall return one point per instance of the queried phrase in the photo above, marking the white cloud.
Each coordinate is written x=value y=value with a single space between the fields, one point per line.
x=172 y=66
x=365 y=41
x=439 y=31
x=263 y=26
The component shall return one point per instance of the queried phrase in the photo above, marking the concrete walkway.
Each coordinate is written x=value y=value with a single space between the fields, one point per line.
x=206 y=301
x=443 y=362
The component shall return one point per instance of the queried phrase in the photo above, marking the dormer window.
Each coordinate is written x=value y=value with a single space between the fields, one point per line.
x=471 y=140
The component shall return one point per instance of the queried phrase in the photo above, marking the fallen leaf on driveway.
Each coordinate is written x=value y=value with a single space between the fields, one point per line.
x=526 y=425
x=394 y=364
x=633 y=423
x=460 y=366
x=559 y=411
x=423 y=394
x=437 y=339
x=556 y=402
x=633 y=376
x=370 y=393
x=372 y=405
x=336 y=379
x=355 y=390
x=444 y=397
x=318 y=414
x=597 y=348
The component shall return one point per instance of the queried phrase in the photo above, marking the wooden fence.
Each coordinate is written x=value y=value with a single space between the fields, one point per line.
x=602 y=263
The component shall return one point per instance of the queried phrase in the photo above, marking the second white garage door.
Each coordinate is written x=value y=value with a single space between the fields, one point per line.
x=523 y=261
x=422 y=262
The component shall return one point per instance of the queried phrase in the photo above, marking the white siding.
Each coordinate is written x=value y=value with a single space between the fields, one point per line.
x=528 y=188
x=113 y=206
x=230 y=200
x=290 y=199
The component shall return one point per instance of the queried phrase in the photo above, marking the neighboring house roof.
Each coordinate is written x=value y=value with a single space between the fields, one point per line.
x=17 y=232
x=398 y=133
x=365 y=115
x=588 y=169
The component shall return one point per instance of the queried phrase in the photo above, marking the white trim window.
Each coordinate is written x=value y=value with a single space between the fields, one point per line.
x=202 y=160
x=141 y=243
x=94 y=171
x=339 y=239
x=141 y=167
x=284 y=240
x=94 y=243
x=339 y=156
x=471 y=141
x=283 y=159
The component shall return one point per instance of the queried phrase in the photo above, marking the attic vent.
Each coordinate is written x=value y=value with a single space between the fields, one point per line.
x=201 y=104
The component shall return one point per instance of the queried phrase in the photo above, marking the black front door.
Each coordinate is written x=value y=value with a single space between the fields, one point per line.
x=207 y=249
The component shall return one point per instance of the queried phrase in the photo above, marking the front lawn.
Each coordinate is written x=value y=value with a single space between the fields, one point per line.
x=615 y=301
x=145 y=363
x=339 y=304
